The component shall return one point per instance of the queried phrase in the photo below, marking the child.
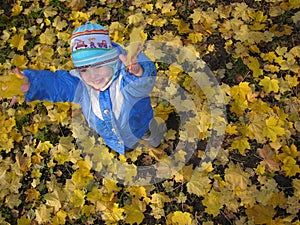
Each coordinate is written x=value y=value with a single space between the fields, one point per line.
x=114 y=101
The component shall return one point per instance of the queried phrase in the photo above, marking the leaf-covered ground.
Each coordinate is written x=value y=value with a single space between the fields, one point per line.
x=54 y=170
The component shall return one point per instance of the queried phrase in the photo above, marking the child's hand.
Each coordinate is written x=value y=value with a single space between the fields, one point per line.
x=24 y=87
x=133 y=66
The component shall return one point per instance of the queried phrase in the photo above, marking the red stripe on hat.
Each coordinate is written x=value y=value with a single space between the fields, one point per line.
x=89 y=32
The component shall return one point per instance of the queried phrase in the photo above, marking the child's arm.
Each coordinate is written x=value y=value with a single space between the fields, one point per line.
x=57 y=86
x=141 y=75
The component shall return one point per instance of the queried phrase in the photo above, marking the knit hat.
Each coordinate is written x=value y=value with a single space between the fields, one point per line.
x=91 y=46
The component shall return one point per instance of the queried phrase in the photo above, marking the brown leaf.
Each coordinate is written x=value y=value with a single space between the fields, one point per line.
x=267 y=154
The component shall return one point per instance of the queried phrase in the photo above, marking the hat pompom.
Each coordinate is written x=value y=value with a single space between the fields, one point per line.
x=90 y=44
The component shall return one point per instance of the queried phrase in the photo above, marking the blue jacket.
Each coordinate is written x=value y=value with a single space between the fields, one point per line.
x=120 y=114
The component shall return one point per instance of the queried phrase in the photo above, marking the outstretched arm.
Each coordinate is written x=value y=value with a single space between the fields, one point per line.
x=141 y=75
x=59 y=86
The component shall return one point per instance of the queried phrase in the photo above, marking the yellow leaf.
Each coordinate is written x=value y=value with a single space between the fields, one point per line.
x=148 y=7
x=182 y=27
x=75 y=5
x=290 y=166
x=261 y=214
x=18 y=42
x=136 y=18
x=269 y=85
x=32 y=194
x=231 y=129
x=159 y=199
x=52 y=199
x=196 y=16
x=60 y=218
x=78 y=198
x=24 y=220
x=133 y=214
x=240 y=91
x=241 y=145
x=59 y=24
x=113 y=215
x=94 y=195
x=88 y=210
x=254 y=66
x=111 y=185
x=195 y=37
x=168 y=9
x=10 y=86
x=236 y=177
x=137 y=38
x=20 y=61
x=296 y=185
x=212 y=203
x=273 y=128
x=159 y=22
x=199 y=184
x=291 y=80
x=49 y=11
x=270 y=56
x=137 y=191
x=48 y=37
x=44 y=147
x=17 y=9
x=43 y=214
x=179 y=218
x=46 y=53
x=82 y=177
x=281 y=30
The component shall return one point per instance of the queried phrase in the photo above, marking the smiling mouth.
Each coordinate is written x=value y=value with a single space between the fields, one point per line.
x=97 y=82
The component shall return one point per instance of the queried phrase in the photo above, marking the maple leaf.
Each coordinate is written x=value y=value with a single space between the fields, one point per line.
x=60 y=217
x=137 y=38
x=52 y=199
x=273 y=128
x=43 y=214
x=254 y=65
x=199 y=184
x=78 y=198
x=168 y=9
x=236 y=177
x=18 y=41
x=195 y=37
x=269 y=85
x=133 y=214
x=212 y=203
x=268 y=155
x=135 y=18
x=261 y=214
x=159 y=199
x=290 y=166
x=32 y=194
x=82 y=176
x=17 y=9
x=48 y=37
x=23 y=220
x=241 y=145
x=10 y=86
x=88 y=210
x=179 y=218
x=114 y=214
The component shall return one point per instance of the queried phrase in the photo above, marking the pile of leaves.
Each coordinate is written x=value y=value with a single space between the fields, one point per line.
x=55 y=170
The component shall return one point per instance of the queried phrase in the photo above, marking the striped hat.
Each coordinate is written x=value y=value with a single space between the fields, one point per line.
x=91 y=46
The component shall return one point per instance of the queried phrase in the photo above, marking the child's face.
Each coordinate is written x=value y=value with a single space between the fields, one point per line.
x=97 y=77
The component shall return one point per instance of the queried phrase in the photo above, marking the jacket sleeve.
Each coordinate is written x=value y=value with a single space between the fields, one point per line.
x=141 y=86
x=59 y=86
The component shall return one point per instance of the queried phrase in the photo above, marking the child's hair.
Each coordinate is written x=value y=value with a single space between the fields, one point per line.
x=91 y=46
